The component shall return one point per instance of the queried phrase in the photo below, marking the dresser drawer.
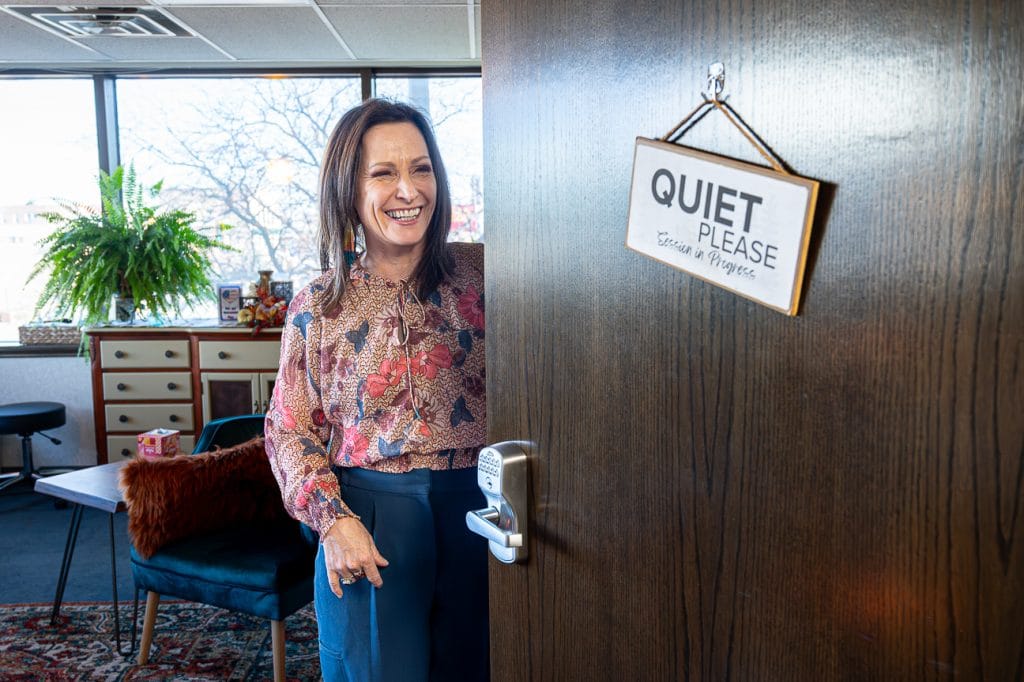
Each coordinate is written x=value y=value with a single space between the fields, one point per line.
x=116 y=353
x=147 y=386
x=138 y=418
x=239 y=354
x=125 y=447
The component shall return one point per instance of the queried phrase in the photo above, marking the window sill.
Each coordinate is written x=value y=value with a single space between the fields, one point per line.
x=38 y=350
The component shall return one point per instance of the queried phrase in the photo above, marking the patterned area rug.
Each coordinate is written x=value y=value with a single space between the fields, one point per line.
x=190 y=642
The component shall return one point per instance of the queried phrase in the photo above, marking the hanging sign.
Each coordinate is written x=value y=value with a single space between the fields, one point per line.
x=737 y=225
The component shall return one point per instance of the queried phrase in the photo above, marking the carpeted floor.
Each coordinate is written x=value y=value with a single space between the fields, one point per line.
x=192 y=642
x=33 y=532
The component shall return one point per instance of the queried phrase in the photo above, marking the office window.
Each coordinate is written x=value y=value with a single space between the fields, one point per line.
x=242 y=151
x=239 y=150
x=48 y=138
x=454 y=105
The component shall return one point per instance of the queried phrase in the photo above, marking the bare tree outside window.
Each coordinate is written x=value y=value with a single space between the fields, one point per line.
x=247 y=151
x=240 y=151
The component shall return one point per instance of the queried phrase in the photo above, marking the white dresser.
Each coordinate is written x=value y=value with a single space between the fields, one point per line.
x=179 y=378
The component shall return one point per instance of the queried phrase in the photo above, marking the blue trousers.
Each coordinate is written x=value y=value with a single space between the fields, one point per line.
x=428 y=622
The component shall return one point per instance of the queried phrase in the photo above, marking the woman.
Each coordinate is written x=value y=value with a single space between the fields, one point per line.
x=378 y=411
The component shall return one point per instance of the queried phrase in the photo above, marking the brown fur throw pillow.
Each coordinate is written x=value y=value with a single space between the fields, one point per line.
x=174 y=497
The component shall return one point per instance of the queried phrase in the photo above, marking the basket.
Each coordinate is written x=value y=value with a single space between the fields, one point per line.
x=55 y=334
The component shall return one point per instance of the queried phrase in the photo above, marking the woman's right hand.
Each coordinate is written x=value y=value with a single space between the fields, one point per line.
x=350 y=553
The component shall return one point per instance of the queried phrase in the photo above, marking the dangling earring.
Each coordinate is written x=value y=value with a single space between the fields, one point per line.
x=349 y=245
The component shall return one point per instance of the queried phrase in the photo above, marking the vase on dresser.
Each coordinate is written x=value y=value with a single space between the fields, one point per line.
x=124 y=308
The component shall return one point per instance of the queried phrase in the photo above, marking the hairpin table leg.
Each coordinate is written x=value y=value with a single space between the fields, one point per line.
x=65 y=565
x=113 y=584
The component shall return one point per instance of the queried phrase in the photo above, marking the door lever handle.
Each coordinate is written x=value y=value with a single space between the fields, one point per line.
x=483 y=522
x=502 y=475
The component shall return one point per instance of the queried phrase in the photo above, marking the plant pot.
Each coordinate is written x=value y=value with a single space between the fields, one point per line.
x=124 y=309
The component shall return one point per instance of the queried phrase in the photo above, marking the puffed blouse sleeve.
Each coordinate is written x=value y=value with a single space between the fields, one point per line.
x=297 y=432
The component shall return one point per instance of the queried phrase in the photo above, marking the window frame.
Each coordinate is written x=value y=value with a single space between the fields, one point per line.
x=105 y=89
x=108 y=131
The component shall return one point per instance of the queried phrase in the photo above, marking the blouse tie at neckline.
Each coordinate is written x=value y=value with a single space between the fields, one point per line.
x=404 y=325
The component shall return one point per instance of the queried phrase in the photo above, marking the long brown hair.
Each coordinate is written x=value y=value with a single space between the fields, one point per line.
x=339 y=178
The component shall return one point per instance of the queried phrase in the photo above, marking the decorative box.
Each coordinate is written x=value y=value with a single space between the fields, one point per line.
x=158 y=443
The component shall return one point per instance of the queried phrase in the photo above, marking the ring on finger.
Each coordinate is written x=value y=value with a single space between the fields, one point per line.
x=348 y=581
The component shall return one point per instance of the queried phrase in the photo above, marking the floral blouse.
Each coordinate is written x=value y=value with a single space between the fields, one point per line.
x=389 y=382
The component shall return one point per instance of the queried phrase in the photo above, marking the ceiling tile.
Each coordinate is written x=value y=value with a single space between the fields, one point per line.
x=22 y=42
x=406 y=32
x=391 y=33
x=298 y=32
x=155 y=50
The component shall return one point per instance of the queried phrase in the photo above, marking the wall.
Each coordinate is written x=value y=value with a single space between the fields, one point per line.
x=60 y=379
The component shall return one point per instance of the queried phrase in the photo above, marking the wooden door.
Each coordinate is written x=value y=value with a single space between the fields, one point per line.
x=720 y=491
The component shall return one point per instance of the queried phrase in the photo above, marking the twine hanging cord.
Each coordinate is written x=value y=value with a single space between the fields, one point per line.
x=726 y=110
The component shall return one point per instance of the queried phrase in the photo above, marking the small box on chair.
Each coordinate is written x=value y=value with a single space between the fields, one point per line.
x=158 y=443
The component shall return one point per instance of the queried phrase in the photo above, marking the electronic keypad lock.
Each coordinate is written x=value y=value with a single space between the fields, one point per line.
x=503 y=479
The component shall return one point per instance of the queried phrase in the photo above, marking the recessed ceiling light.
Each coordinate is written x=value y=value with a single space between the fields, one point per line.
x=92 y=22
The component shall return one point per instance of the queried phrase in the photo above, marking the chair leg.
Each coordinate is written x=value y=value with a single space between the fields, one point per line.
x=277 y=641
x=152 y=604
x=27 y=466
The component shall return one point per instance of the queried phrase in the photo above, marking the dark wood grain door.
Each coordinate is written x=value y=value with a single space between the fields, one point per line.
x=721 y=492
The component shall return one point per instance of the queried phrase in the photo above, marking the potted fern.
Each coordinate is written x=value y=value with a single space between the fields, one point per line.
x=152 y=260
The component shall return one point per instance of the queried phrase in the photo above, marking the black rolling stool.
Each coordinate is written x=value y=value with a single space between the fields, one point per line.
x=26 y=420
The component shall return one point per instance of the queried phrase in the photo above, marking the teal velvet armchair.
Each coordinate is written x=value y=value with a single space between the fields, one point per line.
x=211 y=528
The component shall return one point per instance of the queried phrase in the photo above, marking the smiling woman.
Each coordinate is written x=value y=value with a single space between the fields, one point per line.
x=379 y=414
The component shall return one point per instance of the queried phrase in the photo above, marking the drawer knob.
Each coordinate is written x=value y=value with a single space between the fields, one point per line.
x=118 y=354
x=171 y=386
x=168 y=353
x=125 y=452
x=123 y=418
x=173 y=418
x=222 y=355
x=121 y=387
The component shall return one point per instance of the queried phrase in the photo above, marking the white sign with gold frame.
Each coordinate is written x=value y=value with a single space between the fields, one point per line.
x=736 y=225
